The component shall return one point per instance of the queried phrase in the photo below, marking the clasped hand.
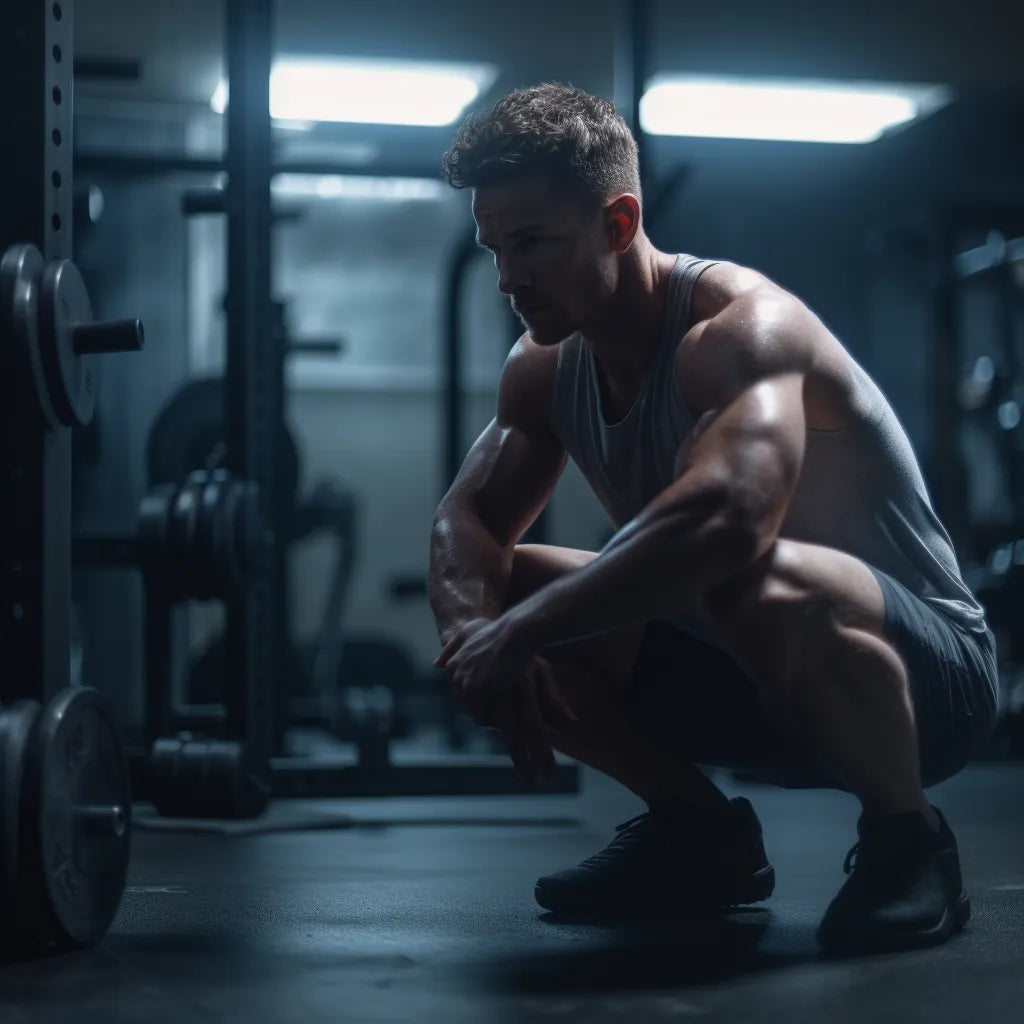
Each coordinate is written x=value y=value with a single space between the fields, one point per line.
x=501 y=682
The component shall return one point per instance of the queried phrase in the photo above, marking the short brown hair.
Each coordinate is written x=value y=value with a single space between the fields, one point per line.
x=578 y=140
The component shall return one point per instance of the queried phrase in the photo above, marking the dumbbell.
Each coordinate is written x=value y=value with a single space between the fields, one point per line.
x=199 y=540
x=193 y=776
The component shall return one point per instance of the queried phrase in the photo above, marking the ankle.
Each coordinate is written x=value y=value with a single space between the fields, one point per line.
x=714 y=799
x=920 y=807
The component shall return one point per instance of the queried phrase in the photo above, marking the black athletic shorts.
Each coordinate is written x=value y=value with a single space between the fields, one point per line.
x=695 y=698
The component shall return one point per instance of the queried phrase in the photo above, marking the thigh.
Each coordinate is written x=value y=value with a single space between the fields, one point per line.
x=801 y=595
x=783 y=612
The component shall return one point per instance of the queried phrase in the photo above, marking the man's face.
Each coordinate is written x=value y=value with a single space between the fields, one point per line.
x=553 y=257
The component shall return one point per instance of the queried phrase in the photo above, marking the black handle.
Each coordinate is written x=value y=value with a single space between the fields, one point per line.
x=109 y=336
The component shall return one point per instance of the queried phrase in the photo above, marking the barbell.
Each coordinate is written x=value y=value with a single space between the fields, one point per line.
x=46 y=305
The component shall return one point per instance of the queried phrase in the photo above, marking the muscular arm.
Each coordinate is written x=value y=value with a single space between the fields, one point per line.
x=734 y=479
x=506 y=480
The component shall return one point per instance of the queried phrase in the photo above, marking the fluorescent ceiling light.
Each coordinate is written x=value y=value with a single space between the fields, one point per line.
x=352 y=186
x=797 y=111
x=370 y=91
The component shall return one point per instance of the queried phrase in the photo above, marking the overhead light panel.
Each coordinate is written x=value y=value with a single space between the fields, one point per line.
x=784 y=110
x=344 y=186
x=367 y=91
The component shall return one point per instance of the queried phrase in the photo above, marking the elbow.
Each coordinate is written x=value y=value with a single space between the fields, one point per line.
x=444 y=509
x=447 y=513
x=439 y=521
x=719 y=523
x=737 y=542
x=749 y=528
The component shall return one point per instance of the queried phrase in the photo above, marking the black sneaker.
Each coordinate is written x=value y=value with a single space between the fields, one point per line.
x=680 y=858
x=905 y=888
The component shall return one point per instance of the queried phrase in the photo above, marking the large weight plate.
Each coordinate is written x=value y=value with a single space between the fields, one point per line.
x=15 y=729
x=21 y=272
x=77 y=822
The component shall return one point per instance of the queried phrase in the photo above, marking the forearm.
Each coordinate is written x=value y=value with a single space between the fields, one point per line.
x=469 y=570
x=661 y=562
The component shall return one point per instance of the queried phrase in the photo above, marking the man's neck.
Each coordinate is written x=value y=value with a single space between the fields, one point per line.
x=631 y=325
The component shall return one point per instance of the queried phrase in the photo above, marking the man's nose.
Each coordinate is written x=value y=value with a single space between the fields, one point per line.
x=510 y=276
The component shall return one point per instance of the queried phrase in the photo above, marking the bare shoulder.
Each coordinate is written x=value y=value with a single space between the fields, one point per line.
x=749 y=329
x=527 y=385
x=723 y=283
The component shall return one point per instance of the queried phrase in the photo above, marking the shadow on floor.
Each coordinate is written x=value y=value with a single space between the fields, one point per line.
x=652 y=954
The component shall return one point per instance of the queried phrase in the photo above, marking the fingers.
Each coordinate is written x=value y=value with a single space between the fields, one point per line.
x=509 y=722
x=449 y=649
x=530 y=752
x=523 y=714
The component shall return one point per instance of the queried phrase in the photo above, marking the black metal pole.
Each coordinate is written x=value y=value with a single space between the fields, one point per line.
x=452 y=420
x=36 y=51
x=254 y=371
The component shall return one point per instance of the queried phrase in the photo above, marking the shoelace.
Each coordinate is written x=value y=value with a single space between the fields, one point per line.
x=851 y=859
x=626 y=835
x=876 y=864
x=626 y=824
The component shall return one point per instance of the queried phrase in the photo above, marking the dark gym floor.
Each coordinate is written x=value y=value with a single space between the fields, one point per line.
x=436 y=922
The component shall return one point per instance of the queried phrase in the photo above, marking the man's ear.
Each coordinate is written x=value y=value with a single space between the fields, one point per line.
x=623 y=219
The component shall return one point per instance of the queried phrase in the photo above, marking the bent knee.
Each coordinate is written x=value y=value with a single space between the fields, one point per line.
x=601 y=663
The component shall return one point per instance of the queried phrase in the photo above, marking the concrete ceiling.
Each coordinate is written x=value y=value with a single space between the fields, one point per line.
x=973 y=46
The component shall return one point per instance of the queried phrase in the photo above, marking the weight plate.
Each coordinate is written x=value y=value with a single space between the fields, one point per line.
x=190 y=432
x=210 y=577
x=15 y=728
x=77 y=822
x=63 y=305
x=20 y=273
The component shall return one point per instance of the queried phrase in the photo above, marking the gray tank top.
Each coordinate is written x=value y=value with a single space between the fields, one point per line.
x=860 y=489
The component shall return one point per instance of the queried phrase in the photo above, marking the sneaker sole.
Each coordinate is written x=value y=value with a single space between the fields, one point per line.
x=952 y=921
x=757 y=888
